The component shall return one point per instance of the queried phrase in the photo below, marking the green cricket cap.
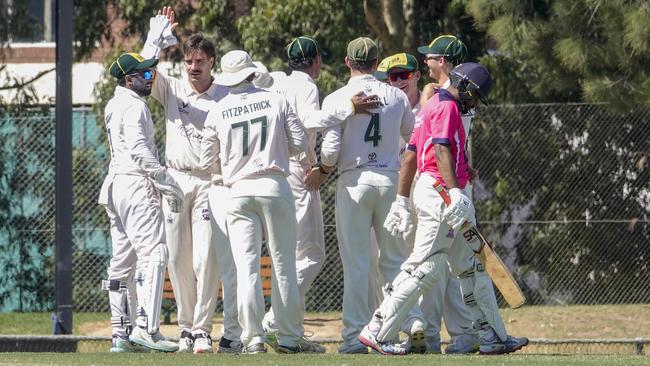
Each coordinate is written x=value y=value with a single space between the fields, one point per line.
x=404 y=61
x=128 y=63
x=303 y=48
x=448 y=46
x=363 y=49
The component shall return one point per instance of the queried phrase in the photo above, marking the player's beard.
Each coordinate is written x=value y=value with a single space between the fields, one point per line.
x=141 y=86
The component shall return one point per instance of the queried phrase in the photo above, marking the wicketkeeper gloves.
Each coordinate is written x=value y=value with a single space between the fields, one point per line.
x=169 y=189
x=399 y=220
x=459 y=210
x=160 y=35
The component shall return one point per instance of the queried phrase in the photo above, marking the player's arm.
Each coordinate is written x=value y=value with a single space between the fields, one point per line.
x=135 y=117
x=159 y=37
x=408 y=119
x=294 y=131
x=210 y=147
x=315 y=119
x=407 y=172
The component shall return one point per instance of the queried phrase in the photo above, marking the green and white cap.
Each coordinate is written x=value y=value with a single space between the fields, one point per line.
x=128 y=63
x=303 y=48
x=363 y=49
x=448 y=46
x=403 y=60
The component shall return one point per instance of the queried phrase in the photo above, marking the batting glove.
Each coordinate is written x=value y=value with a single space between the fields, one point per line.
x=169 y=189
x=399 y=219
x=459 y=210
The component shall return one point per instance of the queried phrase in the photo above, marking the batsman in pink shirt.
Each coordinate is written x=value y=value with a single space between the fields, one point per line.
x=438 y=145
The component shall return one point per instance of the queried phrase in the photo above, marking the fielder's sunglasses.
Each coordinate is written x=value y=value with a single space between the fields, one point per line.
x=147 y=75
x=404 y=75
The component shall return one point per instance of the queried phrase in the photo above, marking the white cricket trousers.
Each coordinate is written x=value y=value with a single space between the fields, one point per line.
x=136 y=225
x=358 y=208
x=445 y=300
x=192 y=257
x=219 y=197
x=273 y=218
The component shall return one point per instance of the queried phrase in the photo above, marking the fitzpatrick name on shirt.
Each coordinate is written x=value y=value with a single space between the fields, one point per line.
x=248 y=108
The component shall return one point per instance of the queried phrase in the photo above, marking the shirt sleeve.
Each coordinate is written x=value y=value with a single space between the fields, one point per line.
x=135 y=138
x=315 y=119
x=296 y=135
x=413 y=141
x=161 y=87
x=444 y=127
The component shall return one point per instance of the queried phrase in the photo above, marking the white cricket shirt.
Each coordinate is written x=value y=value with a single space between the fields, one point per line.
x=185 y=113
x=363 y=141
x=253 y=132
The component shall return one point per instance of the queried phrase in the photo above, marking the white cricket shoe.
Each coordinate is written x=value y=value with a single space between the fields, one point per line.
x=202 y=343
x=368 y=338
x=156 y=341
x=123 y=345
x=254 y=349
x=186 y=342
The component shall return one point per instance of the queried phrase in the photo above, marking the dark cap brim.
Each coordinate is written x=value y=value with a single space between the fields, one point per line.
x=147 y=64
x=425 y=50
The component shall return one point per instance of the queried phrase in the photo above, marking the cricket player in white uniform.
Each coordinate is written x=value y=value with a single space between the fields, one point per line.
x=366 y=149
x=306 y=59
x=439 y=142
x=199 y=249
x=253 y=132
x=131 y=196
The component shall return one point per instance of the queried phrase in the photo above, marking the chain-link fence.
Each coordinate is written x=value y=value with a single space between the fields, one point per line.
x=564 y=193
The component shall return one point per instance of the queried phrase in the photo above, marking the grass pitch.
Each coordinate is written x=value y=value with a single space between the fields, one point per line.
x=158 y=359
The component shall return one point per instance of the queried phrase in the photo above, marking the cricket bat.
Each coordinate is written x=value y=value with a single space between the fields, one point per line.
x=494 y=266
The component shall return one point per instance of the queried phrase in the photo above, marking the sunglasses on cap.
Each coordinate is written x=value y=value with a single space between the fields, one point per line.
x=148 y=74
x=404 y=75
x=433 y=57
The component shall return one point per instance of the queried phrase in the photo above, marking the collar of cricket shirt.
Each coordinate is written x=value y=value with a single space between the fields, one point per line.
x=123 y=90
x=361 y=78
x=301 y=75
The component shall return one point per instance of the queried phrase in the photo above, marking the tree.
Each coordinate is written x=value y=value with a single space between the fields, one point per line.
x=593 y=51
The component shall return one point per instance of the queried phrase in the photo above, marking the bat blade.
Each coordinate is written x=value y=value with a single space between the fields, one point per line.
x=494 y=266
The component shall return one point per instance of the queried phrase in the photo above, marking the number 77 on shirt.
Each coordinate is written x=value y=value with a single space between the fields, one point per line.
x=494 y=266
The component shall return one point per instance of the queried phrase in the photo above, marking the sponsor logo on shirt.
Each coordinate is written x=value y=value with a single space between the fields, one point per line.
x=169 y=218
x=450 y=233
x=183 y=107
x=372 y=156
x=205 y=214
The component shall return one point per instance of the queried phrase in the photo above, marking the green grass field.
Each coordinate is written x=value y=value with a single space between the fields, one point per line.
x=98 y=359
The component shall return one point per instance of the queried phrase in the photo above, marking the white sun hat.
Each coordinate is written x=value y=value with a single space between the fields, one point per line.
x=236 y=66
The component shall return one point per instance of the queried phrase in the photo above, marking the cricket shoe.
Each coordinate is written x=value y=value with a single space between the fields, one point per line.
x=202 y=343
x=416 y=339
x=123 y=345
x=228 y=346
x=432 y=345
x=254 y=349
x=156 y=341
x=186 y=342
x=491 y=344
x=271 y=333
x=368 y=338
x=514 y=344
x=355 y=348
x=463 y=344
x=303 y=346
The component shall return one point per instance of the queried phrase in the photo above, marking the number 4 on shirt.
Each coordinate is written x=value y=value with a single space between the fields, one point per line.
x=372 y=132
x=245 y=126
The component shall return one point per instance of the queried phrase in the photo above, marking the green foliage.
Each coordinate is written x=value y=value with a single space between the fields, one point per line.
x=594 y=51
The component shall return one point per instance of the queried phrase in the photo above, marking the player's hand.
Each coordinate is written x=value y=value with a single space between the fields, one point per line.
x=428 y=91
x=365 y=103
x=168 y=36
x=459 y=210
x=314 y=178
x=398 y=221
x=169 y=189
